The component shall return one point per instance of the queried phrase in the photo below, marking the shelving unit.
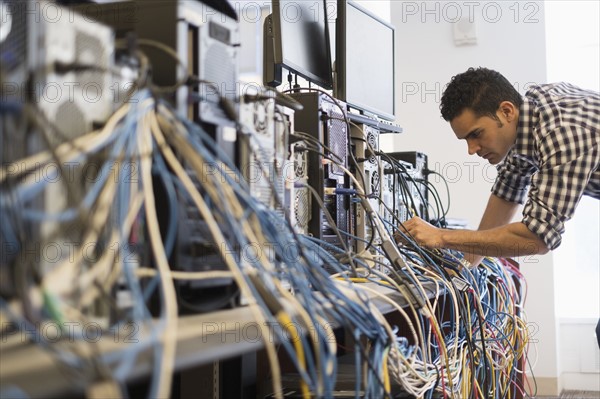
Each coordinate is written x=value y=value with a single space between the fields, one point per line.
x=201 y=340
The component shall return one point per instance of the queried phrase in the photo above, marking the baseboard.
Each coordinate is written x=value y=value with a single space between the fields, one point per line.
x=581 y=381
x=546 y=386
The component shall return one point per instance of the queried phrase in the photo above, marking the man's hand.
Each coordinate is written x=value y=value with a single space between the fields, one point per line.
x=511 y=240
x=422 y=233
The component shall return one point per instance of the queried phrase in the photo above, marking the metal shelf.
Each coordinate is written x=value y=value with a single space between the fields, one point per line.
x=201 y=339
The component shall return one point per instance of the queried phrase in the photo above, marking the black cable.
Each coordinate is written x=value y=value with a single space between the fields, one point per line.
x=308 y=137
x=394 y=181
x=332 y=225
x=408 y=177
x=361 y=176
x=348 y=129
x=440 y=212
x=405 y=192
x=429 y=171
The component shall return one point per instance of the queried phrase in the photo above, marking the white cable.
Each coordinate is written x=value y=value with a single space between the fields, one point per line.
x=177 y=275
x=216 y=233
x=65 y=152
x=169 y=310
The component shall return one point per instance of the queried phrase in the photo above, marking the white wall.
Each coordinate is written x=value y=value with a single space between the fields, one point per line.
x=511 y=39
x=573 y=55
x=573 y=33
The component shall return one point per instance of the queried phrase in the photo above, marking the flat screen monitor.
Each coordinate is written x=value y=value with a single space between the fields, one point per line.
x=365 y=60
x=301 y=39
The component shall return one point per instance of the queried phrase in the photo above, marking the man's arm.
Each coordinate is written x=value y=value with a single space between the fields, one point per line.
x=511 y=240
x=495 y=237
x=498 y=212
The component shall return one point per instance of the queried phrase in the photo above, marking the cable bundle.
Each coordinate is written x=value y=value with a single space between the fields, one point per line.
x=470 y=339
x=147 y=137
x=467 y=341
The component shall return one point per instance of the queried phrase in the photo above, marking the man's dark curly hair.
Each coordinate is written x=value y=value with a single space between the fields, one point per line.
x=482 y=90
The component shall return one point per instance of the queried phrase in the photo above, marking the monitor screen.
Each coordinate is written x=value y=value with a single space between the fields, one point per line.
x=365 y=60
x=302 y=39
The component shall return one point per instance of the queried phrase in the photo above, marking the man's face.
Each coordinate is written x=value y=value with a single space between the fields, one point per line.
x=487 y=137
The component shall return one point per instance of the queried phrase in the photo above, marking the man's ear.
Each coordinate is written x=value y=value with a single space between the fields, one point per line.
x=508 y=110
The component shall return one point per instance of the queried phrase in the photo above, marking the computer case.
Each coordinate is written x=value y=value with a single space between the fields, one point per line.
x=324 y=121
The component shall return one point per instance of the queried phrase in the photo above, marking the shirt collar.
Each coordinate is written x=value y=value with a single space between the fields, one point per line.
x=528 y=119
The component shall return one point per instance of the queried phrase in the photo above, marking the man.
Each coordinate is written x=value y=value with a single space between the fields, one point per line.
x=547 y=141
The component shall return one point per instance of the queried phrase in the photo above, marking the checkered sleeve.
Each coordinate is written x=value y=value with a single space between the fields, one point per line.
x=569 y=155
x=514 y=175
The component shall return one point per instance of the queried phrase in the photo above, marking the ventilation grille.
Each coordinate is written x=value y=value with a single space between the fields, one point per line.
x=302 y=209
x=70 y=121
x=90 y=51
x=373 y=146
x=338 y=141
x=220 y=70
x=260 y=174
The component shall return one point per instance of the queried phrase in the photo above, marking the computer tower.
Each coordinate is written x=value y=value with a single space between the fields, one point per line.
x=323 y=120
x=61 y=63
x=59 y=68
x=206 y=42
x=71 y=61
x=300 y=210
x=201 y=84
x=368 y=172
x=264 y=150
x=75 y=101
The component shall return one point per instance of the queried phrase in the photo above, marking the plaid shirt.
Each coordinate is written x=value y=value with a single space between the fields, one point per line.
x=556 y=154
